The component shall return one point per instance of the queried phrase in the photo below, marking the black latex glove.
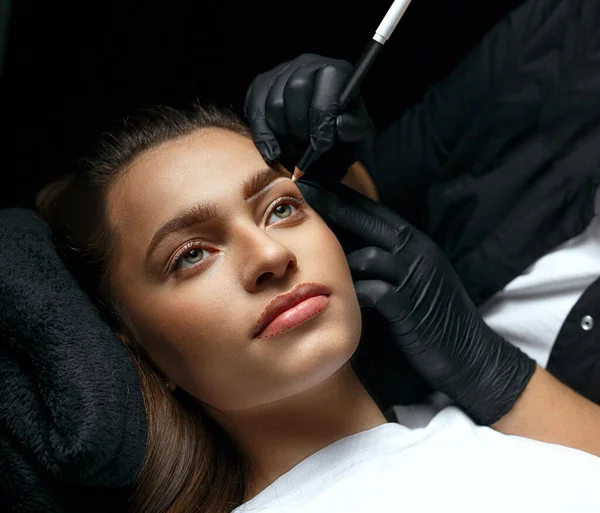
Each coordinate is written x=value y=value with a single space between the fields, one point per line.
x=402 y=274
x=298 y=103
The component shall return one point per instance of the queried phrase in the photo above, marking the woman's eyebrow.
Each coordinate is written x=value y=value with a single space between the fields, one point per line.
x=262 y=184
x=251 y=188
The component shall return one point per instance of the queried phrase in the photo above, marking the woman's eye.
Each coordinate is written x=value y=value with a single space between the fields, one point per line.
x=283 y=210
x=194 y=254
x=191 y=257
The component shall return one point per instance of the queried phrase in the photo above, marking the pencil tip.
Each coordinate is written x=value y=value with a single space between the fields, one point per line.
x=297 y=174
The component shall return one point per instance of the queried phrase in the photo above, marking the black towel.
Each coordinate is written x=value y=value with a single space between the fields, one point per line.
x=72 y=421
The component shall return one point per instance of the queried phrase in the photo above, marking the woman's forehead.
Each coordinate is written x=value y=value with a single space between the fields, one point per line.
x=204 y=164
x=207 y=152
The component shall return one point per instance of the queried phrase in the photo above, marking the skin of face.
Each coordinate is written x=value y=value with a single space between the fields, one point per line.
x=196 y=322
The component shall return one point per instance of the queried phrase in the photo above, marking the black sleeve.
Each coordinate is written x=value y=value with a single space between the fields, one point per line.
x=418 y=147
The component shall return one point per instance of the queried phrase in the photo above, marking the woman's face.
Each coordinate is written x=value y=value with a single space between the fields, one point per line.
x=197 y=296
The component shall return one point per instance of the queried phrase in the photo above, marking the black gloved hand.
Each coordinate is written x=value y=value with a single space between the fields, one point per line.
x=409 y=281
x=297 y=103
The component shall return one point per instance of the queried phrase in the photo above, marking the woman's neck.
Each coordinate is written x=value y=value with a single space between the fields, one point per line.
x=278 y=436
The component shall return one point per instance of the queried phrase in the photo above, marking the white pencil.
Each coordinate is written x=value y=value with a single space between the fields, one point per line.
x=382 y=34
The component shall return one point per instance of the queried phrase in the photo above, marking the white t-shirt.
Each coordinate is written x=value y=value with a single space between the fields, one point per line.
x=448 y=465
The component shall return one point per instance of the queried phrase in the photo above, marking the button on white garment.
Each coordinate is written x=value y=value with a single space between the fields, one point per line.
x=587 y=322
x=530 y=311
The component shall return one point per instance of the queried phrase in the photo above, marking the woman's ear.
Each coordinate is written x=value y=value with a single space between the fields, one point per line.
x=359 y=179
x=170 y=384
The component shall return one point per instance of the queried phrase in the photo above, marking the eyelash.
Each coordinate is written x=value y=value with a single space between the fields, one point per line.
x=296 y=201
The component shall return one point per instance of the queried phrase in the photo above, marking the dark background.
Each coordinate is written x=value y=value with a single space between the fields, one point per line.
x=71 y=66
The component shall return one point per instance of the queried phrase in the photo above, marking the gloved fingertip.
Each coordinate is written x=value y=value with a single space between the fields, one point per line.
x=322 y=141
x=269 y=151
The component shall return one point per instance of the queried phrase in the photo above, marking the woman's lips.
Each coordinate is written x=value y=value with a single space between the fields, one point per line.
x=294 y=316
x=285 y=311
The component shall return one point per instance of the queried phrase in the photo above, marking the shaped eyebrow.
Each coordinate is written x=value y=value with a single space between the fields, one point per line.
x=200 y=213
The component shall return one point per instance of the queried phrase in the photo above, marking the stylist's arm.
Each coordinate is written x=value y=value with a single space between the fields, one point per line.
x=403 y=274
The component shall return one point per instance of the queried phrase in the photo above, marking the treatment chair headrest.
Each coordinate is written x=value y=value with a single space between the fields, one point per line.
x=72 y=419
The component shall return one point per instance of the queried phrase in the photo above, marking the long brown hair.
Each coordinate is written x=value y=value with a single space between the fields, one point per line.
x=191 y=464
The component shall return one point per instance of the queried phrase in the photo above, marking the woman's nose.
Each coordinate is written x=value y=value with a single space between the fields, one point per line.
x=264 y=257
